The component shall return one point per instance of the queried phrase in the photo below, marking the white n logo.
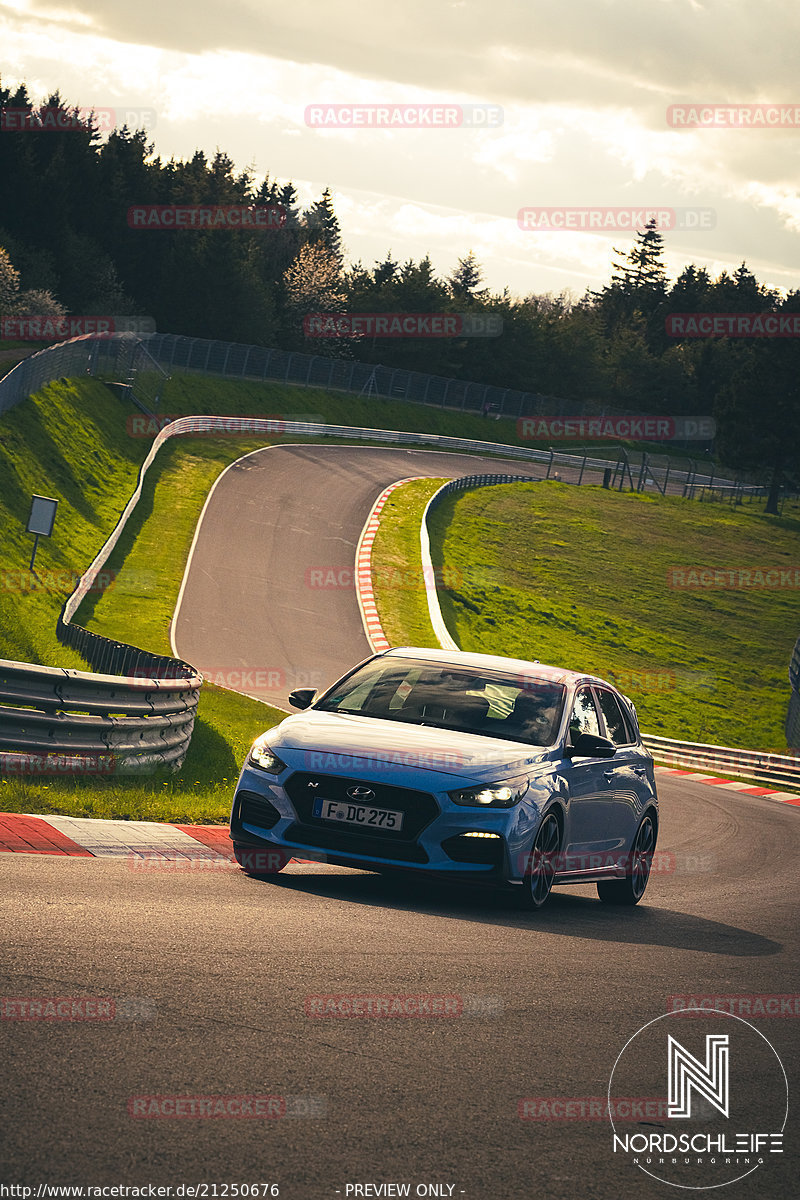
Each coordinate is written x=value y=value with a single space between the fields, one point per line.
x=709 y=1079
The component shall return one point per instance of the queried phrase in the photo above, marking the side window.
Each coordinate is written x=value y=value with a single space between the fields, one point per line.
x=584 y=714
x=616 y=725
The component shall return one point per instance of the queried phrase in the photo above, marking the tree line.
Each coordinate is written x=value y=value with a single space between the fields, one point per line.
x=70 y=246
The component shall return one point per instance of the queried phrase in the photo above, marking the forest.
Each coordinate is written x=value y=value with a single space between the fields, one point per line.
x=69 y=245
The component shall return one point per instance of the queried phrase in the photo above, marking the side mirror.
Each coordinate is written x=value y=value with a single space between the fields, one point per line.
x=590 y=745
x=302 y=697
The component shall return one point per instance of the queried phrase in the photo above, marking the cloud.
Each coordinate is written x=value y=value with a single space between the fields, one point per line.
x=585 y=88
x=602 y=52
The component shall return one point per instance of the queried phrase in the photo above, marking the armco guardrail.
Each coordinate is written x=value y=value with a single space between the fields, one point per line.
x=782 y=769
x=62 y=722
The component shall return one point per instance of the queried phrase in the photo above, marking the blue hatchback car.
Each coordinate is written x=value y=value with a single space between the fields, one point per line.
x=468 y=766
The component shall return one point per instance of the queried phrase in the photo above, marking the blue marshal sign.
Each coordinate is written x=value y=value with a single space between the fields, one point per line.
x=41 y=520
x=42 y=515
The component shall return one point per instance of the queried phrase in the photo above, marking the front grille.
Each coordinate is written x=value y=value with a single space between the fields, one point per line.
x=354 y=842
x=418 y=808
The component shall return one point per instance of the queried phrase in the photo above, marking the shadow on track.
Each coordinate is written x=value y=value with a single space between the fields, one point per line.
x=570 y=915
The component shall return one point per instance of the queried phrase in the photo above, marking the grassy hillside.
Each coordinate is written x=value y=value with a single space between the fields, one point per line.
x=70 y=442
x=578 y=592
x=580 y=578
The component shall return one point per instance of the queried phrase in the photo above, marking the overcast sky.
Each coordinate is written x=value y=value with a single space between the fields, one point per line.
x=584 y=86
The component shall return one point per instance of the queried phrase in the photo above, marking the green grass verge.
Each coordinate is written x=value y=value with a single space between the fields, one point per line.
x=71 y=441
x=43 y=446
x=397 y=579
x=186 y=394
x=579 y=578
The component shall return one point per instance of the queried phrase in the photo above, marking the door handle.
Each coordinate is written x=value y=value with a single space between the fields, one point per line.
x=609 y=775
x=640 y=770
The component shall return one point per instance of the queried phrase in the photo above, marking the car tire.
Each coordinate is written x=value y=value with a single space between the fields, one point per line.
x=540 y=868
x=631 y=889
x=261 y=862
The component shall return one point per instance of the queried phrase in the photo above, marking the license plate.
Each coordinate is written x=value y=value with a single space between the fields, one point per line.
x=358 y=814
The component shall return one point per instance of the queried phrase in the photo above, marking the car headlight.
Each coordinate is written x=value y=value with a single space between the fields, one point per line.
x=503 y=795
x=261 y=756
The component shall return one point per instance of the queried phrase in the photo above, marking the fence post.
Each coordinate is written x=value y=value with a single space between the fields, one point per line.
x=642 y=469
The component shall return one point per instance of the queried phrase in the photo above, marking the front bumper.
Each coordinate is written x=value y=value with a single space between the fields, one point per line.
x=275 y=813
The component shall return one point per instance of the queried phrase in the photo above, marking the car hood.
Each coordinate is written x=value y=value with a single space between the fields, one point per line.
x=342 y=743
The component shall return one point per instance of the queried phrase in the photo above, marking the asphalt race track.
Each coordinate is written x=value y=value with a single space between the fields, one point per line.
x=212 y=973
x=279 y=522
x=220 y=967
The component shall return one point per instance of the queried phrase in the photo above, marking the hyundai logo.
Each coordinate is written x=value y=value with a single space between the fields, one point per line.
x=361 y=793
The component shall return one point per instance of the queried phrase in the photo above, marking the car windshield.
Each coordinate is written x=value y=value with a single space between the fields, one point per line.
x=518 y=708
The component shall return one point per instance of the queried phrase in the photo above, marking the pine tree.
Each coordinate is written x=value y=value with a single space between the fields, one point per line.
x=464 y=281
x=322 y=226
x=642 y=269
